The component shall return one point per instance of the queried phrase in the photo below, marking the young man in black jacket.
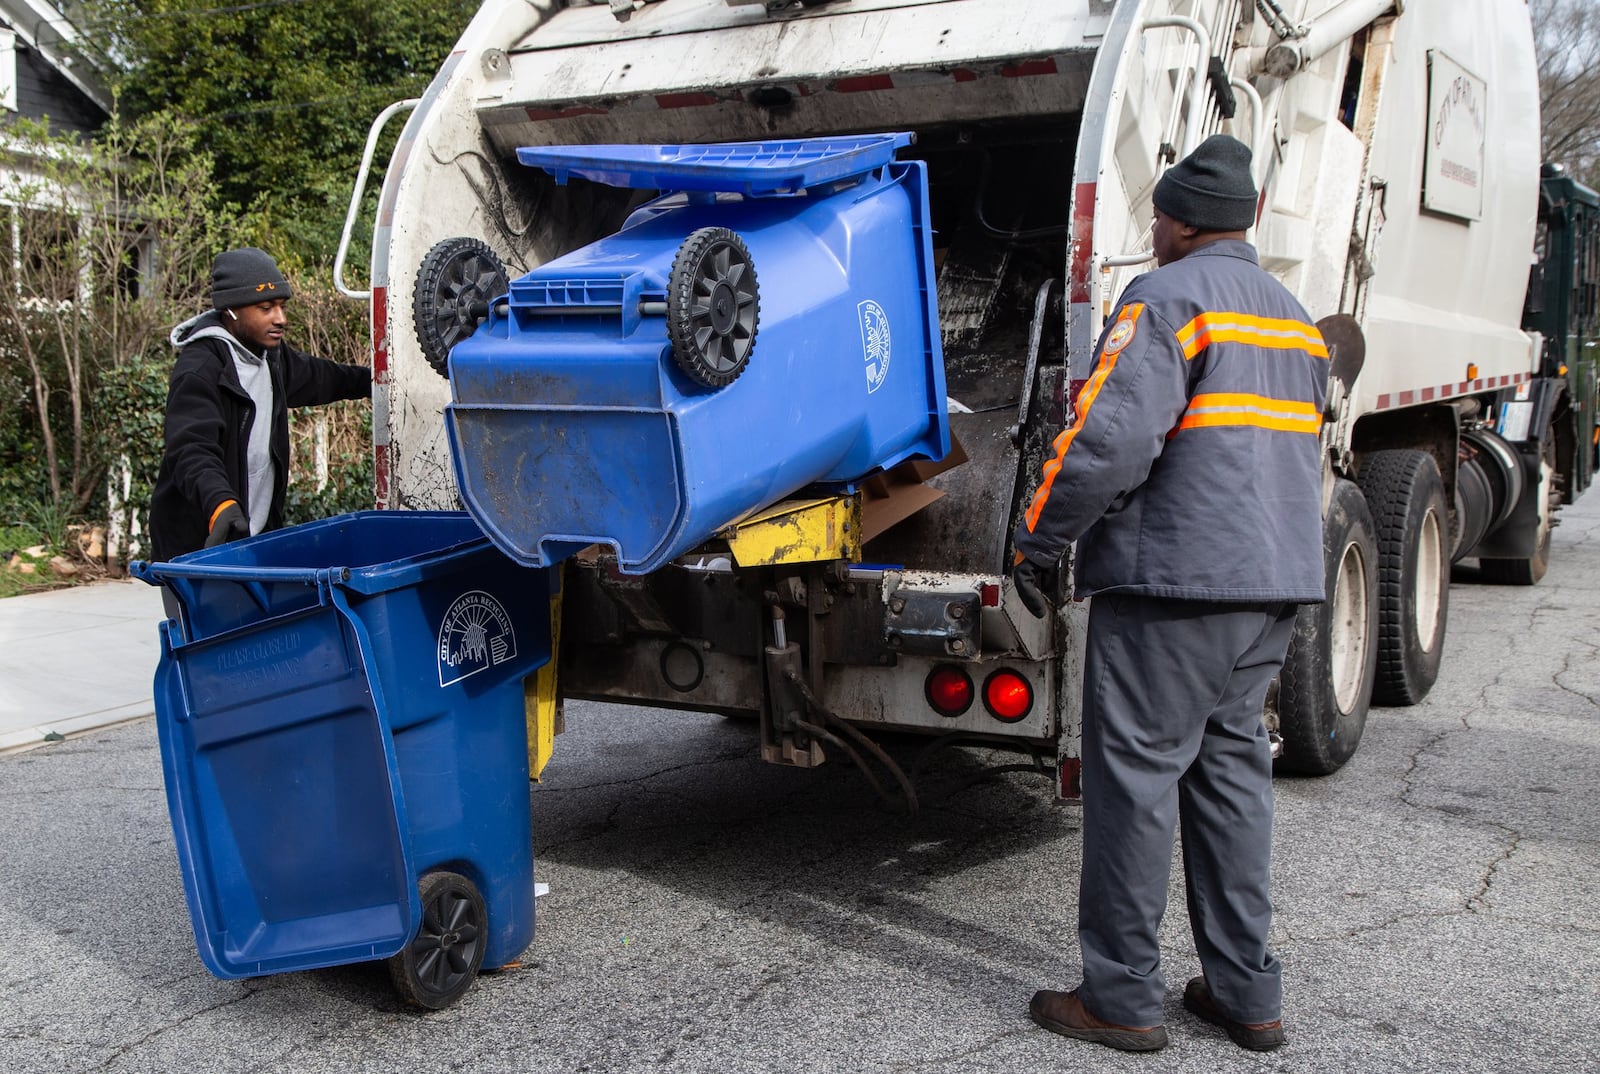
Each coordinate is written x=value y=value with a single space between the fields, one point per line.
x=226 y=459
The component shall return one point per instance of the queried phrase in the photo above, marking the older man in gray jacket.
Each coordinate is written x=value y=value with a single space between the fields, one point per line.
x=1191 y=481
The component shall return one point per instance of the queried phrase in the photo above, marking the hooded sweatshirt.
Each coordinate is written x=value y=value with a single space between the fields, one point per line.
x=211 y=451
x=256 y=379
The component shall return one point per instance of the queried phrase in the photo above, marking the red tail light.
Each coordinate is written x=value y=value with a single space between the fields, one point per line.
x=949 y=690
x=1007 y=696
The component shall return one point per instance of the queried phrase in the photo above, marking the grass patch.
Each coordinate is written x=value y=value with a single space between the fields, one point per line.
x=15 y=583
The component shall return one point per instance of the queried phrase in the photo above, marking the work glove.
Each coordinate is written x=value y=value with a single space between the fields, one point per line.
x=1031 y=581
x=231 y=525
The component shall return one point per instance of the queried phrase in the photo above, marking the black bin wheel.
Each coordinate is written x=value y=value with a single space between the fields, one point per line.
x=456 y=282
x=712 y=307
x=439 y=964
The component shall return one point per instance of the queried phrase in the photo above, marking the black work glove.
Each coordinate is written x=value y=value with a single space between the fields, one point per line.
x=231 y=525
x=1031 y=582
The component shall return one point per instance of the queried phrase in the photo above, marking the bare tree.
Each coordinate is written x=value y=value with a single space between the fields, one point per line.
x=102 y=240
x=1567 y=37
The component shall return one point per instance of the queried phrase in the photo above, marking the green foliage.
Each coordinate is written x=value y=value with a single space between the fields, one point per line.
x=130 y=408
x=281 y=93
x=350 y=484
x=22 y=473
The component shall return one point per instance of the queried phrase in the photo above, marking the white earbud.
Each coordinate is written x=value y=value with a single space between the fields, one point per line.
x=234 y=315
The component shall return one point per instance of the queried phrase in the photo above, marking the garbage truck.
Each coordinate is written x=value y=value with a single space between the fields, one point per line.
x=1396 y=147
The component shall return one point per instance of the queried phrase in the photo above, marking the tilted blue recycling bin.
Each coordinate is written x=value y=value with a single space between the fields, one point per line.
x=767 y=324
x=340 y=710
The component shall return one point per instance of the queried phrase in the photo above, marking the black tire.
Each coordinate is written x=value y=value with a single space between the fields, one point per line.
x=1326 y=684
x=1406 y=496
x=713 y=307
x=1528 y=571
x=440 y=963
x=457 y=282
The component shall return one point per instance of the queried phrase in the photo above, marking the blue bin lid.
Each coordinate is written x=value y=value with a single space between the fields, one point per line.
x=750 y=168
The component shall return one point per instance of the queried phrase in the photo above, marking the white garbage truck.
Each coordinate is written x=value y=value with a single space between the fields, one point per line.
x=1396 y=147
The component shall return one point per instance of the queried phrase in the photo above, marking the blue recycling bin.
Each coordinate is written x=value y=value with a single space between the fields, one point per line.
x=766 y=325
x=341 y=717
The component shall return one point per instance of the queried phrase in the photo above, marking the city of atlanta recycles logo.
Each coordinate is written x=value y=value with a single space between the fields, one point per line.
x=476 y=634
x=874 y=342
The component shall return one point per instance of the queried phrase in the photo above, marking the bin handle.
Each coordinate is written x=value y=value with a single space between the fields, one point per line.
x=360 y=189
x=163 y=572
x=251 y=579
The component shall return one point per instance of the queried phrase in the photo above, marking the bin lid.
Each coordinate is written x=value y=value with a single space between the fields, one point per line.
x=754 y=169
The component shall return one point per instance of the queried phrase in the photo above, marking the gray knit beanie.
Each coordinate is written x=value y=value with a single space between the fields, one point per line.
x=240 y=277
x=1210 y=188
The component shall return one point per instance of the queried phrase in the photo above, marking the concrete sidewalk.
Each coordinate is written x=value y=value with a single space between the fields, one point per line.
x=75 y=659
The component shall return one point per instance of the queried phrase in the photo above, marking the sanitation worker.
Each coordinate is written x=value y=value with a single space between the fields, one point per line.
x=226 y=459
x=1190 y=480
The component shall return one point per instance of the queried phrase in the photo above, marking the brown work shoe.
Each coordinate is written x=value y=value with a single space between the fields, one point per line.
x=1257 y=1036
x=1064 y=1013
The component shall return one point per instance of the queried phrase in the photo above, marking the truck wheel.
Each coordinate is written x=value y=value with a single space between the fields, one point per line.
x=1326 y=683
x=712 y=307
x=456 y=282
x=1406 y=496
x=1529 y=571
x=439 y=964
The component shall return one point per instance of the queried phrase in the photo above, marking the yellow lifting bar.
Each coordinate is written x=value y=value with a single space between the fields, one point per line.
x=799 y=531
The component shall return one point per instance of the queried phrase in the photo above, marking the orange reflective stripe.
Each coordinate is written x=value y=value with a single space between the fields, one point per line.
x=1270 y=332
x=1086 y=398
x=1214 y=409
x=221 y=507
x=1226 y=400
x=1260 y=421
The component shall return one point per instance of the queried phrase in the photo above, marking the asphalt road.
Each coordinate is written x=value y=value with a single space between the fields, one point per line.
x=1438 y=902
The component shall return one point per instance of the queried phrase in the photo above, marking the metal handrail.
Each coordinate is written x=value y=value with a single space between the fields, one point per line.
x=360 y=189
x=1197 y=96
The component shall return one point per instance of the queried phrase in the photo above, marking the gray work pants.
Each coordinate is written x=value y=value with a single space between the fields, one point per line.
x=1172 y=700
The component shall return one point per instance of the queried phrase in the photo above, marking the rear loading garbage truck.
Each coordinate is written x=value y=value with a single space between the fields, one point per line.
x=1396 y=148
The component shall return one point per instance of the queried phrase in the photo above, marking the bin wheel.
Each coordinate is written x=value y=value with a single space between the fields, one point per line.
x=439 y=964
x=456 y=283
x=712 y=307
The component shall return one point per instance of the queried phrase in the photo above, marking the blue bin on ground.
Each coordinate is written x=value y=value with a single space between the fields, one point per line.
x=766 y=325
x=341 y=717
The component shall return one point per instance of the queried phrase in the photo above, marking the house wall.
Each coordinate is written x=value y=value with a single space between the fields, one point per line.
x=44 y=91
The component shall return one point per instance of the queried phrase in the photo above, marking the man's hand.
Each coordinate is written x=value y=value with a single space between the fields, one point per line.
x=230 y=525
x=1029 y=578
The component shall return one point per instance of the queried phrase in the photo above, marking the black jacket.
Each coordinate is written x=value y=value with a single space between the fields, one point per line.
x=208 y=421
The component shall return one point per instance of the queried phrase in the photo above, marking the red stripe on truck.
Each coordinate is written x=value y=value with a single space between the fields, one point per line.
x=1046 y=66
x=1078 y=268
x=684 y=100
x=380 y=375
x=538 y=114
x=860 y=83
x=1412 y=396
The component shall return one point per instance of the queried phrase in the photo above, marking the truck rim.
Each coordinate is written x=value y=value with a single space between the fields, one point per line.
x=1351 y=616
x=1430 y=566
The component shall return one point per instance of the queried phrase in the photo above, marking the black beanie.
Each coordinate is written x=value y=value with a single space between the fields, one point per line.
x=240 y=277
x=1210 y=188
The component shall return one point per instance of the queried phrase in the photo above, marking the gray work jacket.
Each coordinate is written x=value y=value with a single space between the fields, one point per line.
x=1192 y=469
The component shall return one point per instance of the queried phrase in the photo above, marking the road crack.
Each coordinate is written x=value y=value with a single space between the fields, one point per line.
x=247 y=992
